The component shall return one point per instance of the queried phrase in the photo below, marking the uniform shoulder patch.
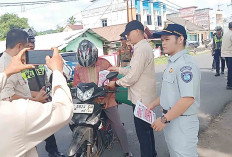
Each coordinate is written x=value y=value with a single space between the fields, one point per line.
x=185 y=68
x=187 y=76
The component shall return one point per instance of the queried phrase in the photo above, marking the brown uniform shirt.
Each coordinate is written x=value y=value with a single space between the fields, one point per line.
x=15 y=83
x=124 y=56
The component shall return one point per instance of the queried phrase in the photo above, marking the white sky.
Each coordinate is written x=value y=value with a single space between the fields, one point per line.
x=44 y=17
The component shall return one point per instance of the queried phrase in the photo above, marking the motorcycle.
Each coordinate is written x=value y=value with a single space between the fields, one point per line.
x=92 y=132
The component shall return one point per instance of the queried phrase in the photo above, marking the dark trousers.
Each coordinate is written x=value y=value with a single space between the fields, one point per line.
x=146 y=137
x=217 y=58
x=229 y=66
x=51 y=144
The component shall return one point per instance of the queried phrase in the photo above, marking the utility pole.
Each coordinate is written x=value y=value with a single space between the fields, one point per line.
x=131 y=11
x=127 y=7
x=209 y=24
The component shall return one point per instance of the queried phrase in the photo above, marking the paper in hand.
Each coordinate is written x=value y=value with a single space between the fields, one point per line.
x=140 y=112
x=102 y=77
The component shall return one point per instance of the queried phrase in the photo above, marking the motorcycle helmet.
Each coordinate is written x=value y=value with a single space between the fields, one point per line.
x=87 y=53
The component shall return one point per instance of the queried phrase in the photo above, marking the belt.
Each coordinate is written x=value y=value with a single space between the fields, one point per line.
x=166 y=111
x=126 y=60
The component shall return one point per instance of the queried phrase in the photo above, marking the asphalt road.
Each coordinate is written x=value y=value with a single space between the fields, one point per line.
x=214 y=96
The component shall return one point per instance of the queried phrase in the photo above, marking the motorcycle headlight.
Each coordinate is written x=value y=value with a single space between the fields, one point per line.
x=93 y=121
x=86 y=95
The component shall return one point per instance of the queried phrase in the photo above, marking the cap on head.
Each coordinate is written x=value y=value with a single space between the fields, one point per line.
x=172 y=29
x=133 y=25
x=31 y=39
x=218 y=28
x=230 y=25
x=123 y=38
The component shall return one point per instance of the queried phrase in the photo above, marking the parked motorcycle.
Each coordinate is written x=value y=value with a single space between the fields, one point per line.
x=92 y=132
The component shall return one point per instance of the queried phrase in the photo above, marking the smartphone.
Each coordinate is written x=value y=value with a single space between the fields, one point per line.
x=37 y=56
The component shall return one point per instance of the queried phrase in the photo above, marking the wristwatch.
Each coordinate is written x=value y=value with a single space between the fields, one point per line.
x=164 y=120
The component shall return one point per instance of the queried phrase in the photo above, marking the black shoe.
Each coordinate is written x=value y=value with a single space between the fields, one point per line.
x=56 y=154
x=222 y=72
x=128 y=154
x=217 y=74
x=229 y=87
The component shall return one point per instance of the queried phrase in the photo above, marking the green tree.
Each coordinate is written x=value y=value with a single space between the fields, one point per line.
x=72 y=20
x=9 y=21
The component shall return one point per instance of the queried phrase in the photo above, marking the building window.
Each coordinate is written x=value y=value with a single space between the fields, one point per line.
x=149 y=20
x=159 y=20
x=104 y=23
x=138 y=17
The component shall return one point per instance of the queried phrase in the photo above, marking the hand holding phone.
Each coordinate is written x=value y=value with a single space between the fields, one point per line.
x=56 y=62
x=37 y=57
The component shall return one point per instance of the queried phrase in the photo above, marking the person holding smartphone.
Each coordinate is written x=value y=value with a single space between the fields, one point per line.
x=25 y=123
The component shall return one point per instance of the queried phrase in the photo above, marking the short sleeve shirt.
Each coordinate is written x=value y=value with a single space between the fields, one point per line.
x=15 y=83
x=181 y=79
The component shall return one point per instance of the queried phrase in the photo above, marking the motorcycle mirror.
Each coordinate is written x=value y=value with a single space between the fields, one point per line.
x=112 y=75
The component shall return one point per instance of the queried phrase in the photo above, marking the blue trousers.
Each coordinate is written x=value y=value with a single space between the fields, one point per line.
x=217 y=58
x=51 y=144
x=229 y=66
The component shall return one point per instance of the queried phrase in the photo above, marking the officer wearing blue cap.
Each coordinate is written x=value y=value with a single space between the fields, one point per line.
x=180 y=95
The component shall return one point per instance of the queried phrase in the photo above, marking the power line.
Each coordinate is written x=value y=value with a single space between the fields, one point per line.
x=178 y=7
x=33 y=3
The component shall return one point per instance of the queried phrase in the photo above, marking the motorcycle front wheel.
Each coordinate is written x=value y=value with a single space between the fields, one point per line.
x=93 y=150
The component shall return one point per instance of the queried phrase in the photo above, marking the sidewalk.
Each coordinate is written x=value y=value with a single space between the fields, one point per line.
x=216 y=141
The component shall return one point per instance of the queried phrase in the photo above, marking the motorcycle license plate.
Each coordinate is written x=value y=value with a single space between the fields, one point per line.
x=83 y=108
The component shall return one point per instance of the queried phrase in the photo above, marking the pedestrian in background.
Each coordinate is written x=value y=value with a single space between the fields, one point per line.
x=217 y=43
x=140 y=81
x=124 y=54
x=180 y=95
x=227 y=53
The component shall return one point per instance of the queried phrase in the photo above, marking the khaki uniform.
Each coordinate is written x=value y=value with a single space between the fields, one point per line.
x=140 y=77
x=24 y=123
x=15 y=83
x=124 y=56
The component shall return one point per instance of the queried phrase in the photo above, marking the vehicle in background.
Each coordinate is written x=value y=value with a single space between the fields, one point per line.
x=192 y=44
x=66 y=70
x=71 y=60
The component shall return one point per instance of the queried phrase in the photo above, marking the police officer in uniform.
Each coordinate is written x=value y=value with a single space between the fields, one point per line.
x=180 y=95
x=37 y=80
x=124 y=53
x=217 y=43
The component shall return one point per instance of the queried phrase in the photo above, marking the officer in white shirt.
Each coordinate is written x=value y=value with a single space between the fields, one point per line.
x=180 y=95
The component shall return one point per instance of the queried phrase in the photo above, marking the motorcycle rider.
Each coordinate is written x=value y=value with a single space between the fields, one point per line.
x=86 y=71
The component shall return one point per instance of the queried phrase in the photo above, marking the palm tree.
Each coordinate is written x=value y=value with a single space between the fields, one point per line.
x=72 y=20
